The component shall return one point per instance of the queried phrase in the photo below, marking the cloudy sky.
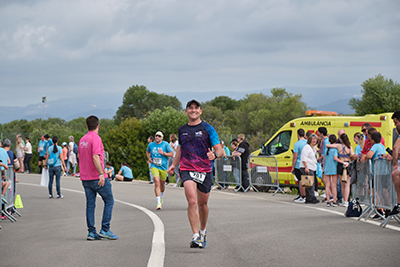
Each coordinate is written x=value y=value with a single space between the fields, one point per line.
x=76 y=48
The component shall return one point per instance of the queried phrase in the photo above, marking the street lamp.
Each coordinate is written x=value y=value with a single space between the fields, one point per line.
x=44 y=107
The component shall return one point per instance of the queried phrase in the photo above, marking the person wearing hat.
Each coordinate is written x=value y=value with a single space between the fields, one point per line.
x=65 y=155
x=157 y=153
x=196 y=140
x=42 y=150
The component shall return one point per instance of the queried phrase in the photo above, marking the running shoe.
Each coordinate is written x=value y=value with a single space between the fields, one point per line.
x=334 y=204
x=60 y=196
x=93 y=236
x=108 y=235
x=395 y=210
x=300 y=200
x=51 y=196
x=328 y=204
x=159 y=206
x=195 y=243
x=345 y=204
x=316 y=194
x=203 y=240
x=4 y=200
x=162 y=202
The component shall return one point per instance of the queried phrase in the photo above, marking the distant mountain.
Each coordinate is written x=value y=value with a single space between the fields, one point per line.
x=105 y=106
x=339 y=106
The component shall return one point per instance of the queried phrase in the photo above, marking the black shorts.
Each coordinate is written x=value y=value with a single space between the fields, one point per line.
x=204 y=186
x=126 y=179
x=340 y=169
x=41 y=158
x=297 y=173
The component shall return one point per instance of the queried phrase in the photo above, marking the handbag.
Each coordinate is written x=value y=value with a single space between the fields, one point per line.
x=344 y=176
x=45 y=178
x=307 y=181
x=319 y=170
x=16 y=165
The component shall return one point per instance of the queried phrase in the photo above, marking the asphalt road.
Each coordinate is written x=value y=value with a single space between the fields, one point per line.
x=252 y=229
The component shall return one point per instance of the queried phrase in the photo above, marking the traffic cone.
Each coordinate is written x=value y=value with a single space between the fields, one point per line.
x=18 y=202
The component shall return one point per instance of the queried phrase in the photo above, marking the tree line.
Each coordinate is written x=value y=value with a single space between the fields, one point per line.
x=143 y=112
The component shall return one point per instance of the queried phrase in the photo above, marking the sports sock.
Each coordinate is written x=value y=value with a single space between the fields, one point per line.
x=162 y=194
x=158 y=199
x=203 y=231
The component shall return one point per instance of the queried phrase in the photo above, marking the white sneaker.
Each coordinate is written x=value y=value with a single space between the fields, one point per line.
x=300 y=200
x=316 y=194
x=176 y=185
x=323 y=195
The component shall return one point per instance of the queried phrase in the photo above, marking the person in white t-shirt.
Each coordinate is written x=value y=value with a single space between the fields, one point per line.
x=174 y=145
x=28 y=155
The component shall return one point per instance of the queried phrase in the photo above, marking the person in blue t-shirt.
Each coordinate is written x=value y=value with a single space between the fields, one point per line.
x=42 y=149
x=298 y=146
x=125 y=173
x=157 y=154
x=54 y=162
x=109 y=170
x=376 y=149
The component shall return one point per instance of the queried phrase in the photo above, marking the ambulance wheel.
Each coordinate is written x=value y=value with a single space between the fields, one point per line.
x=261 y=188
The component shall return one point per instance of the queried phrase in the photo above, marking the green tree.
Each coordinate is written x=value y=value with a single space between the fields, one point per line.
x=379 y=95
x=166 y=119
x=128 y=143
x=224 y=103
x=138 y=101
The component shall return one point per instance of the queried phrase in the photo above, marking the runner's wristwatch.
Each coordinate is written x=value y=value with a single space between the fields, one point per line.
x=216 y=155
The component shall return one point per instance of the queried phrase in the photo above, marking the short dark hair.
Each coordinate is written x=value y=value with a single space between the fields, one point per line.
x=376 y=136
x=301 y=132
x=323 y=130
x=396 y=115
x=92 y=122
x=367 y=125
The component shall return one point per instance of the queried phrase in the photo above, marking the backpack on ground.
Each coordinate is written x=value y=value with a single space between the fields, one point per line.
x=75 y=149
x=354 y=209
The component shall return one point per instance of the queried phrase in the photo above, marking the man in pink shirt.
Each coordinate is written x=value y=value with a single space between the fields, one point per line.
x=91 y=153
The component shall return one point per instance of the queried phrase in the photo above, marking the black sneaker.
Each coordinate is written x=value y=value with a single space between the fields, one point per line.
x=395 y=210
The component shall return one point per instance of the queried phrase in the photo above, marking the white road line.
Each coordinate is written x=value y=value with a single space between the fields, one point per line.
x=158 y=244
x=310 y=206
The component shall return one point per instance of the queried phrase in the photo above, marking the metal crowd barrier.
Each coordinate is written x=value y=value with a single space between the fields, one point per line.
x=9 y=208
x=375 y=189
x=361 y=189
x=228 y=171
x=264 y=172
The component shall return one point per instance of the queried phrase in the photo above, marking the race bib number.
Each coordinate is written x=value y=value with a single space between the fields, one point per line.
x=157 y=161
x=198 y=177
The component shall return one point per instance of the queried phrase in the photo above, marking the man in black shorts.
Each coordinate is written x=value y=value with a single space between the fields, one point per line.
x=196 y=139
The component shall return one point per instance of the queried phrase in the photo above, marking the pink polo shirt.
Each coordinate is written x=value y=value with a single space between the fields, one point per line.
x=90 y=145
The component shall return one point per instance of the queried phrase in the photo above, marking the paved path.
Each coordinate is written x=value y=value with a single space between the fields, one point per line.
x=252 y=229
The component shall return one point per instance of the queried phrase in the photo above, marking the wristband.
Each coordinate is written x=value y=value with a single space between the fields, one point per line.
x=101 y=174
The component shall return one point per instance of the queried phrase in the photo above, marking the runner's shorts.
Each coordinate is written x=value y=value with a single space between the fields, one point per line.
x=203 y=180
x=159 y=173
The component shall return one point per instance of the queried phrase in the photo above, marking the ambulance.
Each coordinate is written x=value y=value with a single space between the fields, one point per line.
x=281 y=144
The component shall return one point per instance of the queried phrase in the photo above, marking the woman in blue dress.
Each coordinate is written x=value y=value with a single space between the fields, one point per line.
x=330 y=171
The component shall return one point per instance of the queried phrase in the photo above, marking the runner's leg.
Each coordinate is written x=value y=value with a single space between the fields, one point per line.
x=193 y=212
x=202 y=199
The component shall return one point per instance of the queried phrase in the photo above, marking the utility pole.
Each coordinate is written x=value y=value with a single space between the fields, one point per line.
x=44 y=107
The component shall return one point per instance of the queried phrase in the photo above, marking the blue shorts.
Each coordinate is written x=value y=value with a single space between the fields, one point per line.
x=202 y=185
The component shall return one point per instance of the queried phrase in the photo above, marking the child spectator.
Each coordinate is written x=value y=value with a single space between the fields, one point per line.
x=109 y=170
